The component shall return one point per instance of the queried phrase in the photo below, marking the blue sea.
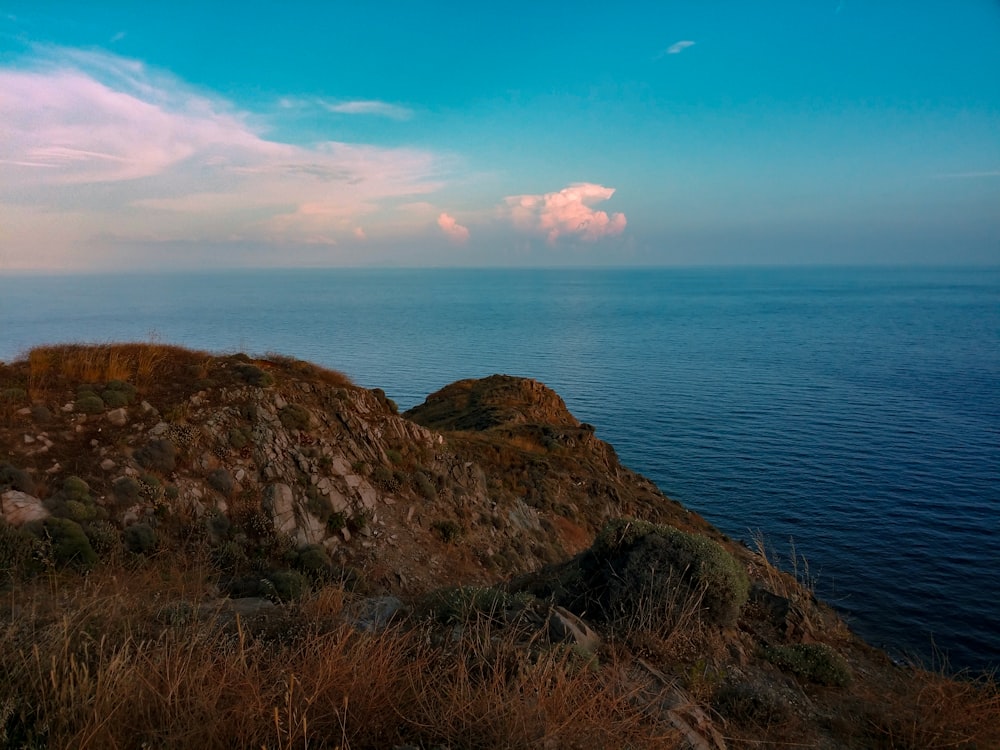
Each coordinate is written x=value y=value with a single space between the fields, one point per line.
x=850 y=415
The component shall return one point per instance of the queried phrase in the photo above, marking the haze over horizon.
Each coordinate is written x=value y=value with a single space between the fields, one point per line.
x=175 y=136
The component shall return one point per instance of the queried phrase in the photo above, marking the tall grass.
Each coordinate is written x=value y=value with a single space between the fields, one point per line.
x=109 y=665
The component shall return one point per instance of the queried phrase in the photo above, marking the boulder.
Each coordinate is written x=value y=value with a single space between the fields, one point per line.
x=19 y=508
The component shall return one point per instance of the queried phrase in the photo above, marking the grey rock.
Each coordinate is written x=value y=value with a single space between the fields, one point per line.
x=19 y=508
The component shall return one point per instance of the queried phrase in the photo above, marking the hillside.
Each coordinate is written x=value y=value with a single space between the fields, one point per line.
x=218 y=551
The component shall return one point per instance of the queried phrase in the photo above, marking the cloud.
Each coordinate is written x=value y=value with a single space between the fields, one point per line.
x=133 y=152
x=567 y=213
x=677 y=47
x=370 y=107
x=455 y=231
x=119 y=36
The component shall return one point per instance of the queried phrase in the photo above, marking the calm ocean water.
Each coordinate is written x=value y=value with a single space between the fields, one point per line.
x=855 y=411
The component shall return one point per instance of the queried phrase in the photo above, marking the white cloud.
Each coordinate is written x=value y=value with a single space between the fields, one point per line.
x=566 y=213
x=370 y=107
x=133 y=152
x=677 y=47
x=455 y=231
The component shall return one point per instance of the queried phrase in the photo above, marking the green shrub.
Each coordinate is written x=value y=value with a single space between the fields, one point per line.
x=394 y=456
x=425 y=486
x=638 y=564
x=385 y=479
x=289 y=585
x=90 y=403
x=75 y=488
x=253 y=375
x=13 y=395
x=126 y=490
x=104 y=537
x=449 y=531
x=238 y=438
x=140 y=538
x=294 y=417
x=460 y=604
x=314 y=561
x=17 y=550
x=336 y=522
x=815 y=662
x=13 y=478
x=222 y=481
x=157 y=455
x=68 y=543
x=41 y=414
x=115 y=399
x=79 y=511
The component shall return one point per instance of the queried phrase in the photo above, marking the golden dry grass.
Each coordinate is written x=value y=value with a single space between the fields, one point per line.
x=111 y=664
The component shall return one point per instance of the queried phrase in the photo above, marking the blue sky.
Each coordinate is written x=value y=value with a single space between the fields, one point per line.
x=177 y=135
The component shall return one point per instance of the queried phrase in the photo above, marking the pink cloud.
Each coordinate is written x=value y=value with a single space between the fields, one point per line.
x=452 y=228
x=567 y=213
x=177 y=163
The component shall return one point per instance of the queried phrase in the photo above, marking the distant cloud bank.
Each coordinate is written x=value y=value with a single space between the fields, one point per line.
x=566 y=213
x=677 y=47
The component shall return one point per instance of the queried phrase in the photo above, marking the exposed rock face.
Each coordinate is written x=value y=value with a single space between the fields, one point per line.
x=19 y=508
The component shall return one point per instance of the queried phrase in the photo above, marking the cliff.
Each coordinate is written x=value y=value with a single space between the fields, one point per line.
x=271 y=483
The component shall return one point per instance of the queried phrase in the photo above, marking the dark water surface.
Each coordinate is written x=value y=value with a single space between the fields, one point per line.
x=856 y=411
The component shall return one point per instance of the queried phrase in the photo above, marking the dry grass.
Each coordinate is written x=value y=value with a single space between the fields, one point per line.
x=110 y=664
x=937 y=711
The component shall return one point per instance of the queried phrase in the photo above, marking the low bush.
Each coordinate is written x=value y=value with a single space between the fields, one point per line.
x=635 y=564
x=253 y=375
x=89 y=403
x=294 y=417
x=157 y=455
x=140 y=538
x=222 y=481
x=815 y=662
x=289 y=585
x=68 y=543
x=13 y=478
x=126 y=490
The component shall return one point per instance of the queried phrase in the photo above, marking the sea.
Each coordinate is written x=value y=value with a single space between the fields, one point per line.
x=847 y=417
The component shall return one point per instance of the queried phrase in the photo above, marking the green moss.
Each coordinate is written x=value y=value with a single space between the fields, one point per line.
x=815 y=662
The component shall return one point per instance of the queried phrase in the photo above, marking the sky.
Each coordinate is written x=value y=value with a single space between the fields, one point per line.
x=145 y=136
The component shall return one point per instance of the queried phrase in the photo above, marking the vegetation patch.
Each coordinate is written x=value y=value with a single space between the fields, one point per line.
x=815 y=662
x=89 y=403
x=294 y=417
x=635 y=568
x=157 y=455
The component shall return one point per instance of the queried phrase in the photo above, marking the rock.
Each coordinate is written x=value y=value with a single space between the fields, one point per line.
x=118 y=417
x=279 y=502
x=28 y=440
x=107 y=464
x=148 y=408
x=565 y=627
x=19 y=508
x=375 y=613
x=160 y=428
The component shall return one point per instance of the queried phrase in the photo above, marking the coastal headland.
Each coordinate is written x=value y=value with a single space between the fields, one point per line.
x=223 y=551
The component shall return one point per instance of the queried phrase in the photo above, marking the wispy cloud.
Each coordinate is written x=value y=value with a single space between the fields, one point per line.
x=168 y=161
x=119 y=36
x=566 y=213
x=455 y=231
x=370 y=107
x=677 y=47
